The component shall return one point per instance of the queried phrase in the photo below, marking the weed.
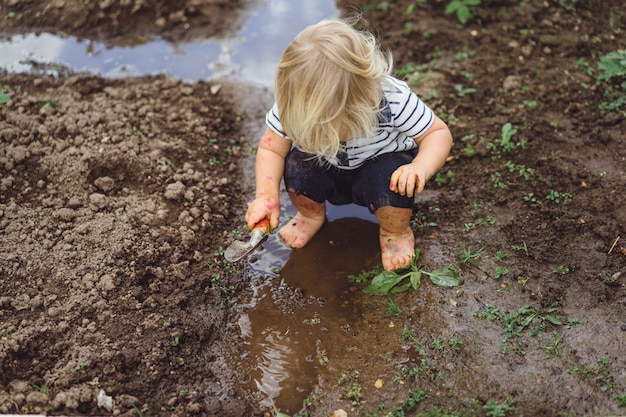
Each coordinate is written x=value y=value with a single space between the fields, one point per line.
x=216 y=282
x=562 y=270
x=506 y=138
x=391 y=281
x=81 y=365
x=487 y=221
x=523 y=247
x=4 y=98
x=393 y=310
x=569 y=5
x=143 y=412
x=530 y=198
x=365 y=275
x=500 y=272
x=531 y=104
x=42 y=387
x=464 y=54
x=552 y=349
x=462 y=91
x=463 y=9
x=572 y=322
x=559 y=198
x=525 y=318
x=468 y=256
x=613 y=78
x=415 y=74
x=496 y=179
x=522 y=170
x=495 y=409
x=50 y=103
x=350 y=387
x=441 y=179
x=407 y=333
x=603 y=376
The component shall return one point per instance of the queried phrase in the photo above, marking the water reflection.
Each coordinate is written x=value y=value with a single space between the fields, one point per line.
x=250 y=54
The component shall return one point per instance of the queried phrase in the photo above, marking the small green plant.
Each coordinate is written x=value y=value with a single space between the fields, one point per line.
x=613 y=78
x=365 y=275
x=500 y=272
x=569 y=5
x=442 y=179
x=185 y=392
x=393 y=310
x=530 y=198
x=562 y=270
x=141 y=412
x=463 y=9
x=350 y=387
x=526 y=318
x=464 y=54
x=470 y=257
x=496 y=179
x=523 y=247
x=462 y=91
x=391 y=281
x=506 y=138
x=522 y=170
x=50 y=103
x=81 y=365
x=552 y=349
x=559 y=198
x=4 y=98
x=495 y=409
x=604 y=377
x=42 y=387
x=531 y=104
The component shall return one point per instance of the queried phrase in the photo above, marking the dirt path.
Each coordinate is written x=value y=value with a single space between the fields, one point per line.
x=118 y=196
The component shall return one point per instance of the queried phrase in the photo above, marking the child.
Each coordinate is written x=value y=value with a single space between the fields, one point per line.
x=343 y=130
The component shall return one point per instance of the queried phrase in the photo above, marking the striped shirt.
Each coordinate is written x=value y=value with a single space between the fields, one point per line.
x=403 y=117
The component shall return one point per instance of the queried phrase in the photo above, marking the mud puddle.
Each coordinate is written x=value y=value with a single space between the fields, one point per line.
x=250 y=53
x=302 y=307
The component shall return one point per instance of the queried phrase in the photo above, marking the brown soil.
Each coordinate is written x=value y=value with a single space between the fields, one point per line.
x=117 y=197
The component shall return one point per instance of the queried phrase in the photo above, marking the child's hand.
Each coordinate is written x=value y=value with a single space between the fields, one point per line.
x=263 y=208
x=408 y=179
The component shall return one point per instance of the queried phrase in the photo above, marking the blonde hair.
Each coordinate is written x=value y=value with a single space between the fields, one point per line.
x=329 y=86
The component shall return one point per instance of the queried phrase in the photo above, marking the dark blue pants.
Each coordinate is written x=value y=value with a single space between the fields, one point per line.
x=367 y=185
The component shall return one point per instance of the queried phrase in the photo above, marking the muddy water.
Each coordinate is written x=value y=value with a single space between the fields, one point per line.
x=302 y=306
x=250 y=53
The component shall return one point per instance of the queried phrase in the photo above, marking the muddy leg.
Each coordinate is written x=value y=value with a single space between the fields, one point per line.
x=397 y=242
x=309 y=219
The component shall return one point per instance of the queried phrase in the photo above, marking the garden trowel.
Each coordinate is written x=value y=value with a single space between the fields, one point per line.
x=238 y=249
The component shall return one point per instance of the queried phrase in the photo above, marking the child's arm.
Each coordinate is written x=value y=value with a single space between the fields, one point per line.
x=270 y=164
x=434 y=148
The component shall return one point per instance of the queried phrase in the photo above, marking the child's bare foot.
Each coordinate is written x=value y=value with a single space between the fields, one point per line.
x=397 y=242
x=309 y=219
x=301 y=229
x=397 y=249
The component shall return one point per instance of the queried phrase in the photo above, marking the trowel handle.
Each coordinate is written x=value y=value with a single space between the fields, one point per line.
x=263 y=225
